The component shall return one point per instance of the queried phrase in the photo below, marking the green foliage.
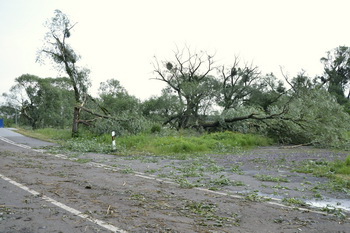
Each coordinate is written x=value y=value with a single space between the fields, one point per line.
x=312 y=116
x=294 y=201
x=229 y=139
x=173 y=143
x=94 y=144
x=123 y=124
x=253 y=103
x=122 y=111
x=44 y=102
x=160 y=109
x=224 y=181
x=207 y=215
x=9 y=113
x=336 y=73
x=271 y=178
x=56 y=49
x=338 y=171
x=347 y=161
x=223 y=142
x=250 y=103
x=47 y=134
x=115 y=99
x=156 y=128
x=79 y=160
x=254 y=196
x=246 y=126
x=236 y=169
x=184 y=183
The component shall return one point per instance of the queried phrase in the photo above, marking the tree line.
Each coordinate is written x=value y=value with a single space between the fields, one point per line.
x=199 y=95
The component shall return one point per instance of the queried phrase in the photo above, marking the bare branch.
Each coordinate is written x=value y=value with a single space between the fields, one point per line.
x=287 y=80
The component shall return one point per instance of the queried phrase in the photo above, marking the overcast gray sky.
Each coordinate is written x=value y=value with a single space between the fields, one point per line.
x=118 y=39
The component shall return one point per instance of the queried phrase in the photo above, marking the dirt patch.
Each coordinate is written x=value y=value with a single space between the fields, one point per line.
x=211 y=193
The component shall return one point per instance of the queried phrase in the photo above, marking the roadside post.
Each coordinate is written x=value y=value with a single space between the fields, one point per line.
x=2 y=125
x=113 y=141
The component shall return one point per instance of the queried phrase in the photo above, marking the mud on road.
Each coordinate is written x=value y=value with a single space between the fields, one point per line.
x=212 y=193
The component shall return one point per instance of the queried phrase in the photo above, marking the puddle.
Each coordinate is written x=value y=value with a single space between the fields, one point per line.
x=331 y=203
x=271 y=196
x=343 y=204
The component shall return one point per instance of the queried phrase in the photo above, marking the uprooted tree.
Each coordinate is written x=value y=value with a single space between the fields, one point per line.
x=65 y=59
x=244 y=100
x=190 y=77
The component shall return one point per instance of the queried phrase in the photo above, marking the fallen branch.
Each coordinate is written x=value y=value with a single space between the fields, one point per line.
x=296 y=146
x=94 y=113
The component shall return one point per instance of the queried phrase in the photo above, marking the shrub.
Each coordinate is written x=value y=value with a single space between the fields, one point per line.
x=156 y=128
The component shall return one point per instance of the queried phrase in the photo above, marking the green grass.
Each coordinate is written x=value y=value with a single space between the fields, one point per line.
x=254 y=196
x=236 y=169
x=208 y=216
x=47 y=134
x=184 y=183
x=271 y=178
x=294 y=201
x=224 y=142
x=224 y=181
x=79 y=160
x=194 y=169
x=338 y=171
x=178 y=143
x=325 y=168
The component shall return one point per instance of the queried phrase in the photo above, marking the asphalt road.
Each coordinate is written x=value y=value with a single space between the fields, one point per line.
x=25 y=210
x=10 y=133
x=44 y=192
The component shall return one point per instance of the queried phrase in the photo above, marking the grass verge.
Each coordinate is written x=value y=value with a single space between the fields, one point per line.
x=338 y=171
x=153 y=144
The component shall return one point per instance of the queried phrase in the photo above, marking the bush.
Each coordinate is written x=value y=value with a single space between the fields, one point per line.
x=156 y=128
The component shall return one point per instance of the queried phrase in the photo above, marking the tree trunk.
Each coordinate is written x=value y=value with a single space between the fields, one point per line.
x=75 y=127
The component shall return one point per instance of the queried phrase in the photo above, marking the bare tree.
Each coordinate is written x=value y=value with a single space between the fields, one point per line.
x=188 y=75
x=237 y=84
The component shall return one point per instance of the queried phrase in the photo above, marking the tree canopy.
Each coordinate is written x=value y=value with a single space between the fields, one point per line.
x=43 y=102
x=59 y=51
x=199 y=94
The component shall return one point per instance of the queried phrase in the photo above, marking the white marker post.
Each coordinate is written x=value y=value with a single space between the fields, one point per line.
x=113 y=141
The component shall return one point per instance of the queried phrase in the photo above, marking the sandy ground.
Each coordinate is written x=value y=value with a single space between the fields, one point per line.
x=212 y=193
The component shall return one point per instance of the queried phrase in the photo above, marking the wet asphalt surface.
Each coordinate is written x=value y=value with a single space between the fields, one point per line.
x=136 y=203
x=11 y=134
